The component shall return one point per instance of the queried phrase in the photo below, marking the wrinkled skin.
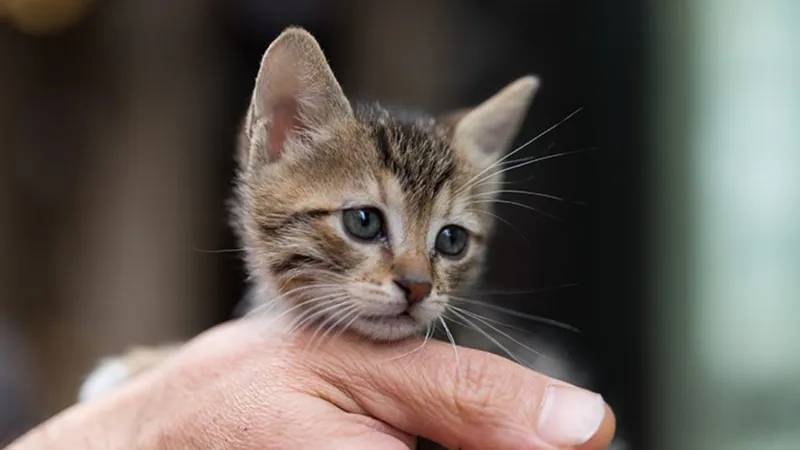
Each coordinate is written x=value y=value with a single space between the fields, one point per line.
x=270 y=391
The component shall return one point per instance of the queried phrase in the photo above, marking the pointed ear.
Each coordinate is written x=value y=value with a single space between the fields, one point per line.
x=485 y=133
x=295 y=93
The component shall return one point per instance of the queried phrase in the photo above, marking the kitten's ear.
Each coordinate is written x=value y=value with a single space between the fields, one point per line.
x=485 y=132
x=295 y=92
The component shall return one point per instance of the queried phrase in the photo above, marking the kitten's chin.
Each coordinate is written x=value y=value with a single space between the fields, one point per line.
x=387 y=328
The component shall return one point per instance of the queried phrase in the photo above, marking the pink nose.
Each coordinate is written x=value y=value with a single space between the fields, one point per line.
x=416 y=289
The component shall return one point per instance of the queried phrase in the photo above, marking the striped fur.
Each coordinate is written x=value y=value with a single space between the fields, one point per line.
x=306 y=155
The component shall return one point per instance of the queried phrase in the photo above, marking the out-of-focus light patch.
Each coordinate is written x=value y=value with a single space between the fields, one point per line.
x=727 y=134
x=747 y=153
x=745 y=156
x=43 y=16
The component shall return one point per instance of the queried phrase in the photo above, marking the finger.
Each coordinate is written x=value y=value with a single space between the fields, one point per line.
x=602 y=439
x=325 y=426
x=389 y=433
x=368 y=441
x=483 y=402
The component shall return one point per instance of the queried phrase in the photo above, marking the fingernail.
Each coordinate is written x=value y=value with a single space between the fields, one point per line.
x=570 y=416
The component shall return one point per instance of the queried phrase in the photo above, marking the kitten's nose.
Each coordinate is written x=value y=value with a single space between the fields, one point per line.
x=415 y=288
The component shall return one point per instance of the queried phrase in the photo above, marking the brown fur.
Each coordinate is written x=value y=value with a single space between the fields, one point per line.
x=300 y=173
x=306 y=155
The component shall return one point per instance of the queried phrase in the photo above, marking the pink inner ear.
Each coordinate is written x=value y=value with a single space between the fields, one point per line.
x=285 y=119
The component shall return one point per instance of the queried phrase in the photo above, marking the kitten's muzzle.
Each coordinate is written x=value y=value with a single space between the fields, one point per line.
x=416 y=288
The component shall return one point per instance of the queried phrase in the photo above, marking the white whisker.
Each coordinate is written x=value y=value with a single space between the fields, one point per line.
x=491 y=339
x=347 y=326
x=318 y=311
x=523 y=291
x=521 y=205
x=340 y=313
x=480 y=318
x=522 y=315
x=497 y=322
x=538 y=159
x=353 y=311
x=451 y=338
x=221 y=250
x=415 y=349
x=429 y=330
x=274 y=301
x=520 y=148
x=522 y=192
x=495 y=216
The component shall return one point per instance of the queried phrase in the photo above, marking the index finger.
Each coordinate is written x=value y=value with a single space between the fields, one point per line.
x=483 y=402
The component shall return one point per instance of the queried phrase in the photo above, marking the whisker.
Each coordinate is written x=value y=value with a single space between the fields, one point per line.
x=507 y=165
x=538 y=159
x=481 y=319
x=346 y=327
x=318 y=311
x=337 y=312
x=314 y=305
x=451 y=338
x=310 y=270
x=522 y=192
x=521 y=205
x=349 y=309
x=346 y=313
x=311 y=301
x=491 y=339
x=324 y=274
x=221 y=250
x=429 y=330
x=519 y=314
x=511 y=162
x=266 y=306
x=523 y=291
x=521 y=147
x=414 y=350
x=496 y=217
x=313 y=313
x=274 y=301
x=455 y=321
x=498 y=322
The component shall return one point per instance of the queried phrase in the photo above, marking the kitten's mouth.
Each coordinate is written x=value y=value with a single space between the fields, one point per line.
x=403 y=317
x=387 y=327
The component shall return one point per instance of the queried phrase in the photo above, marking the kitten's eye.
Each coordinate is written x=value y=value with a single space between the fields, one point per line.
x=363 y=223
x=452 y=241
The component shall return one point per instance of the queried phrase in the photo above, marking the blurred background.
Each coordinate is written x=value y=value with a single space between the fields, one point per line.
x=682 y=269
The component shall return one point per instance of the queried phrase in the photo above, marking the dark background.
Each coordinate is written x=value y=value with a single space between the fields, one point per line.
x=118 y=129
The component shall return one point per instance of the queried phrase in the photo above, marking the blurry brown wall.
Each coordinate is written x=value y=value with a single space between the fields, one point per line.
x=105 y=153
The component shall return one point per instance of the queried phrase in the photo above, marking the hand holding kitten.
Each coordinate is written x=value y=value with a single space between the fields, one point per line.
x=238 y=386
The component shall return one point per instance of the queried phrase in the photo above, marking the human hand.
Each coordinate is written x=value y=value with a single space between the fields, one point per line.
x=239 y=386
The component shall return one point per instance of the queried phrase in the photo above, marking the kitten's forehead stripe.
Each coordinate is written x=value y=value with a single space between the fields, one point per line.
x=382 y=141
x=291 y=219
x=417 y=153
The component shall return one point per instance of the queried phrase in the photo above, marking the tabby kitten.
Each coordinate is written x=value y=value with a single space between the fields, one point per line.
x=354 y=217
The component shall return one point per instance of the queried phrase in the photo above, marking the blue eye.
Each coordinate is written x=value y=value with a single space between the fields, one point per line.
x=452 y=241
x=365 y=224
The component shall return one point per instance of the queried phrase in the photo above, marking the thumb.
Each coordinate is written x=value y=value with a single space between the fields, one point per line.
x=483 y=402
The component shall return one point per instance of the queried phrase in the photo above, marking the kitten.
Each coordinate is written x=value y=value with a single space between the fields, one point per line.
x=356 y=218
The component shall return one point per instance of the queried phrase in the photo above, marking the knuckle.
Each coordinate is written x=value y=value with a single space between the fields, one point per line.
x=483 y=387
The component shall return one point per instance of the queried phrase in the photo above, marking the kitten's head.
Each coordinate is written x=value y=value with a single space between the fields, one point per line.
x=362 y=219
